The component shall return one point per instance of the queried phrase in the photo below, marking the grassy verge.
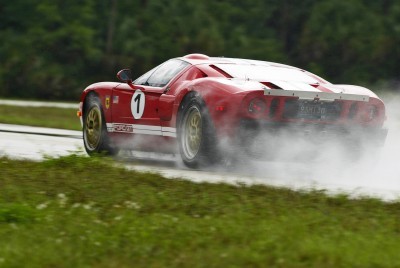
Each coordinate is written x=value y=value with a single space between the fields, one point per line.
x=80 y=212
x=40 y=116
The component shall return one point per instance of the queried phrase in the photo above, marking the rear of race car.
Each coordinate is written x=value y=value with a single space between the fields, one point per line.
x=290 y=122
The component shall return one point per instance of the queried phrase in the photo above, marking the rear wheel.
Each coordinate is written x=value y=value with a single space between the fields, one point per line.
x=192 y=132
x=197 y=139
x=95 y=137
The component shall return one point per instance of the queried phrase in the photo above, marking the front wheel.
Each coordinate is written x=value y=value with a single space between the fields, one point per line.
x=197 y=142
x=95 y=137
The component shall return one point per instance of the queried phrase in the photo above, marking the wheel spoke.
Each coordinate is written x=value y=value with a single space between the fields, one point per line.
x=193 y=122
x=91 y=116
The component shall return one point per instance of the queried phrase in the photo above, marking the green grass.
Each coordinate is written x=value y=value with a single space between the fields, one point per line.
x=84 y=212
x=40 y=116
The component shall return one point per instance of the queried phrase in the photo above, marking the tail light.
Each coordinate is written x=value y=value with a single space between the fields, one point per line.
x=257 y=106
x=364 y=113
x=370 y=113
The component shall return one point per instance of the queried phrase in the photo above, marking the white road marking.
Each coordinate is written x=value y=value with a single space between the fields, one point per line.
x=39 y=104
x=40 y=130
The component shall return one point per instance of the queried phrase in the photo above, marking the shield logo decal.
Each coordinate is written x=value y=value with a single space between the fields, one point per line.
x=107 y=102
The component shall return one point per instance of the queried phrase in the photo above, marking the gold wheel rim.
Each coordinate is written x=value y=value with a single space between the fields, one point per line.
x=93 y=128
x=192 y=132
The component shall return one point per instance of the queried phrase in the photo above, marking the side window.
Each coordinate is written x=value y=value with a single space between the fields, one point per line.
x=164 y=73
x=143 y=79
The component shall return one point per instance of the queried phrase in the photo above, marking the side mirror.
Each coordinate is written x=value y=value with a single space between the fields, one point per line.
x=125 y=75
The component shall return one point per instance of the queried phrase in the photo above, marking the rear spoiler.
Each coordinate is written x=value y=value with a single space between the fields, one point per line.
x=311 y=95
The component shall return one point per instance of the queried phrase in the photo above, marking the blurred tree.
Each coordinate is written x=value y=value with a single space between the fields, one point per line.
x=390 y=47
x=52 y=49
x=343 y=39
x=48 y=56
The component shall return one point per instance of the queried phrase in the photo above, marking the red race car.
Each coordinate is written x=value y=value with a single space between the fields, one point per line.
x=204 y=107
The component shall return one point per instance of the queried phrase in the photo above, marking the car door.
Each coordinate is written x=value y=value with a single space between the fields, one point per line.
x=135 y=108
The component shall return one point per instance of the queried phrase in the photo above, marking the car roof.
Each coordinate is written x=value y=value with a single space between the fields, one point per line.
x=197 y=59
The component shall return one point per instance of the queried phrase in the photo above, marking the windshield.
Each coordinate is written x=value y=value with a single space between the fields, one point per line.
x=266 y=73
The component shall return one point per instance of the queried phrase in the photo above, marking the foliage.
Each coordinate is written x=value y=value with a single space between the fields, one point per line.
x=86 y=212
x=53 y=49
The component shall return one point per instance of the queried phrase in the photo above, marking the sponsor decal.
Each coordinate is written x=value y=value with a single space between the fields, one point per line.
x=107 y=102
x=123 y=128
x=115 y=99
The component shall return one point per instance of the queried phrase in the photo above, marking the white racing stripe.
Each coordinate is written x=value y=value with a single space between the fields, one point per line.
x=169 y=134
x=169 y=129
x=146 y=127
x=141 y=129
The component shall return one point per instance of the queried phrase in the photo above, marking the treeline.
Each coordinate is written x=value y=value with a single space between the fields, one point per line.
x=52 y=49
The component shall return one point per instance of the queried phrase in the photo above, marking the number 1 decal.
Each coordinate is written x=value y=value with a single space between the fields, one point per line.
x=137 y=104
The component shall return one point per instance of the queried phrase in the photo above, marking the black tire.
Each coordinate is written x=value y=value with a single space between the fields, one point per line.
x=196 y=134
x=95 y=136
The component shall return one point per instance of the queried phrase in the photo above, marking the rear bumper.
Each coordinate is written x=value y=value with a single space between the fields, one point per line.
x=312 y=133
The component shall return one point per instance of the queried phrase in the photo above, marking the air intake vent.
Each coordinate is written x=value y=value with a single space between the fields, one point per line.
x=271 y=85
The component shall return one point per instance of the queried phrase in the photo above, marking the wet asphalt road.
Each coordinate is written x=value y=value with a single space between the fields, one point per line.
x=380 y=180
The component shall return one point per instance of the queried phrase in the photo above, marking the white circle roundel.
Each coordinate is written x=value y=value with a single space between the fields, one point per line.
x=137 y=104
